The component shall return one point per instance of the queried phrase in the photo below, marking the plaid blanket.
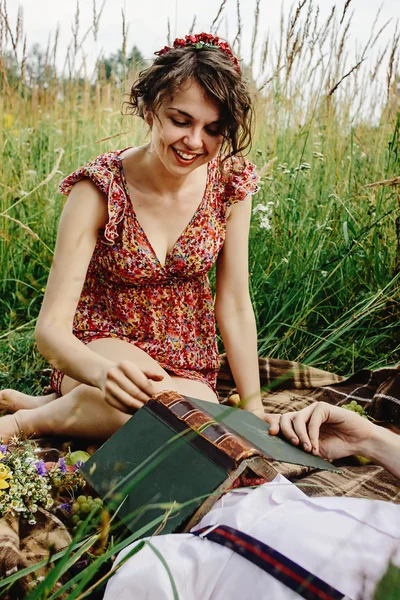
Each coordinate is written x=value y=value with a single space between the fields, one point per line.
x=291 y=386
x=22 y=545
x=287 y=386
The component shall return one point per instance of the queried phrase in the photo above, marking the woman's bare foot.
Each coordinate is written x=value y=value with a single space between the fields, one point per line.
x=9 y=427
x=11 y=401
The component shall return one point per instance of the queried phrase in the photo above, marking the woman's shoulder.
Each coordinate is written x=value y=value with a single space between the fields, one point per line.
x=237 y=179
x=101 y=170
x=105 y=172
x=240 y=166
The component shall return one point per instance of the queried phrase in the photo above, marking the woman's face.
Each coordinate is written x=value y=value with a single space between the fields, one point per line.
x=186 y=130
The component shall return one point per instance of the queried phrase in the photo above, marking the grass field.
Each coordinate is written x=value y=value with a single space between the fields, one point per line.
x=324 y=248
x=325 y=236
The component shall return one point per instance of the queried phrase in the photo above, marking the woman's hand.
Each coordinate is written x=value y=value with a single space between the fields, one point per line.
x=328 y=431
x=272 y=419
x=127 y=388
x=256 y=407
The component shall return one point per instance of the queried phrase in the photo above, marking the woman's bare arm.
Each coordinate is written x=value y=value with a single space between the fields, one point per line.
x=85 y=213
x=233 y=308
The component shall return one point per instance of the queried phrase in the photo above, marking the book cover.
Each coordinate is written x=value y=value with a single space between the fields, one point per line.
x=177 y=455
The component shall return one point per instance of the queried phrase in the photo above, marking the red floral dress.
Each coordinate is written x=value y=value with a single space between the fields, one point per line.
x=167 y=311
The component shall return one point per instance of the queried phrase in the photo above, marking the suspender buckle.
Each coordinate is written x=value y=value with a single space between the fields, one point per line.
x=206 y=531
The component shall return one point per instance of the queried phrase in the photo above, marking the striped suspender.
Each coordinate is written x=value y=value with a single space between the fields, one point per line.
x=274 y=563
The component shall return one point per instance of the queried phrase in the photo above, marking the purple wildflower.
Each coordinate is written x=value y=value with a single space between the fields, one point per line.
x=3 y=448
x=41 y=468
x=62 y=465
x=78 y=464
x=66 y=506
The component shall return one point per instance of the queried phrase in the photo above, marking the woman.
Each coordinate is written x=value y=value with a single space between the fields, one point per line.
x=128 y=310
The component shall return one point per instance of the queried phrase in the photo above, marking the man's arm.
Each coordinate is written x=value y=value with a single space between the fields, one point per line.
x=333 y=432
x=383 y=449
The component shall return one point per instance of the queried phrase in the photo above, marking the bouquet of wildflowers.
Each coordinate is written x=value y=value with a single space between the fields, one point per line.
x=27 y=483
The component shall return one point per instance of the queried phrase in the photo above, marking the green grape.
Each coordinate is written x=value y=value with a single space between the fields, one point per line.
x=81 y=508
x=85 y=508
x=354 y=407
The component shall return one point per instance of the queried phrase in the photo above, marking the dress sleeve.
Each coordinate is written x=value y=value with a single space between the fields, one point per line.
x=106 y=177
x=241 y=180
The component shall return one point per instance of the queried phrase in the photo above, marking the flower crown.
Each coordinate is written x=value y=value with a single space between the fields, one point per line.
x=199 y=41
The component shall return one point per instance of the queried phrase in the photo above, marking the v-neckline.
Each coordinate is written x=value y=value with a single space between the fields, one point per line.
x=145 y=236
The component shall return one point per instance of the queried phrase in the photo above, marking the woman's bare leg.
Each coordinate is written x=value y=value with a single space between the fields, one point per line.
x=12 y=400
x=195 y=389
x=82 y=411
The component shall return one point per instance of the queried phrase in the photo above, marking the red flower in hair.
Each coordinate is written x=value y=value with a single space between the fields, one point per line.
x=205 y=37
x=179 y=43
x=202 y=40
x=163 y=51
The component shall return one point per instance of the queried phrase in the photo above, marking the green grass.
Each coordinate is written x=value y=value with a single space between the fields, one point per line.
x=323 y=278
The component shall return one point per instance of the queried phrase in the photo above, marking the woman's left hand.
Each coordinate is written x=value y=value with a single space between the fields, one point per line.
x=258 y=410
x=270 y=418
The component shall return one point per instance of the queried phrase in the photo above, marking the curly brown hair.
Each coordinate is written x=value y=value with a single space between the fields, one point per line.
x=215 y=72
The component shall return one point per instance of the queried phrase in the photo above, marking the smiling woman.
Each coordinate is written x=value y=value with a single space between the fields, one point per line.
x=193 y=137
x=179 y=149
x=128 y=309
x=210 y=63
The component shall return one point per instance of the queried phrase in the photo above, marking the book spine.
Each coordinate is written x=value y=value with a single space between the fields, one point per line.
x=216 y=432
x=215 y=454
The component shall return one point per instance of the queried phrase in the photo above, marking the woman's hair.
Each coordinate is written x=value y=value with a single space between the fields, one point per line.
x=215 y=72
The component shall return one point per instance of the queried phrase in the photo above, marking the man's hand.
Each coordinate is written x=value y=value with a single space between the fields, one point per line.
x=328 y=431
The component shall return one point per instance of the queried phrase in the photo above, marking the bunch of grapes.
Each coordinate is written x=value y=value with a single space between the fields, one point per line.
x=82 y=507
x=355 y=408
x=358 y=409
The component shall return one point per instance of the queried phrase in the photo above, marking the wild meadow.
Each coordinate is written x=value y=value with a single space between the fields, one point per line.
x=325 y=245
x=325 y=234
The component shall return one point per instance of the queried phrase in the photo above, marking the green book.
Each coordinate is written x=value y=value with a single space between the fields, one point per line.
x=166 y=467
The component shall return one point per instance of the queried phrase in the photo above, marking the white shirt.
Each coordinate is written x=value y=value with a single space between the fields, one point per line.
x=347 y=542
